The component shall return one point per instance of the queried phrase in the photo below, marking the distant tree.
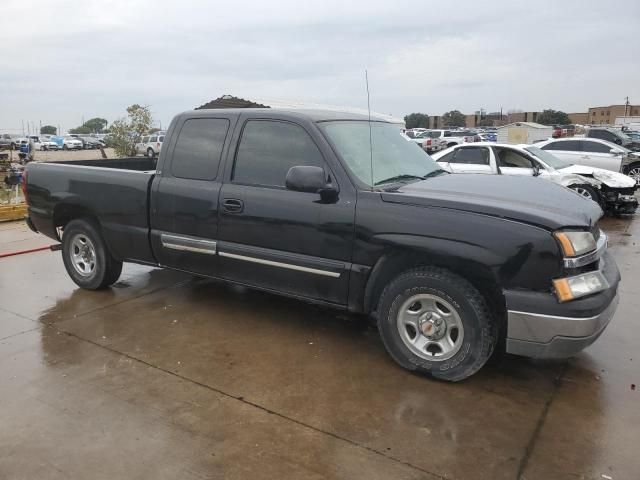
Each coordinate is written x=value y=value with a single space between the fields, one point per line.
x=96 y=125
x=93 y=125
x=417 y=120
x=454 y=118
x=48 y=130
x=553 y=117
x=126 y=132
x=82 y=130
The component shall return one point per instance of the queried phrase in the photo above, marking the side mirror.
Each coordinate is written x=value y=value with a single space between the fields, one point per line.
x=306 y=179
x=311 y=180
x=536 y=170
x=615 y=151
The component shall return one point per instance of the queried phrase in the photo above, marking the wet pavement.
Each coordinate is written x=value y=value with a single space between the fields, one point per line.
x=169 y=376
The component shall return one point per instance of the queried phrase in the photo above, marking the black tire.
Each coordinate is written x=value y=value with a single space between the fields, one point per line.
x=633 y=171
x=106 y=270
x=480 y=330
x=587 y=191
x=452 y=144
x=65 y=147
x=150 y=153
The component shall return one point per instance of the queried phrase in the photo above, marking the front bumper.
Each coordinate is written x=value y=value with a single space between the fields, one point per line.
x=623 y=205
x=540 y=327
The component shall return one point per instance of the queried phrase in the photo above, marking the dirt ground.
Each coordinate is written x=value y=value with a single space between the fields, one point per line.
x=167 y=376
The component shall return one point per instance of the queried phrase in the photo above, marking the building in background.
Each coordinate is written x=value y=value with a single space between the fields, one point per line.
x=579 y=118
x=608 y=115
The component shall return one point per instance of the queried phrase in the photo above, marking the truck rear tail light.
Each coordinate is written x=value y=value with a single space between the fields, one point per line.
x=24 y=186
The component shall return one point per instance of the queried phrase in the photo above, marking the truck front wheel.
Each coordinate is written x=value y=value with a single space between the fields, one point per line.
x=86 y=257
x=434 y=322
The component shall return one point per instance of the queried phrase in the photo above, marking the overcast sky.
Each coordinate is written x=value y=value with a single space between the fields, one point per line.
x=65 y=59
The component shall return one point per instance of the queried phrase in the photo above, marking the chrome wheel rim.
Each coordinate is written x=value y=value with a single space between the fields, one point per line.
x=635 y=174
x=430 y=327
x=584 y=192
x=150 y=153
x=83 y=255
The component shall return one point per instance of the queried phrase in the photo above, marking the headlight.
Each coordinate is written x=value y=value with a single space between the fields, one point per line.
x=571 y=288
x=575 y=244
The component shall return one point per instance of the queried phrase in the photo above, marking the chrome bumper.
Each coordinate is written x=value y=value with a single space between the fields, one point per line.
x=548 y=336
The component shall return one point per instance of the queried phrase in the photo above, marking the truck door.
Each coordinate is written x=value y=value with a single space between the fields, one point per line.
x=279 y=239
x=184 y=205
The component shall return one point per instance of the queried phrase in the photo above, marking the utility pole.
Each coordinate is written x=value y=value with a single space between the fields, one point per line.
x=626 y=106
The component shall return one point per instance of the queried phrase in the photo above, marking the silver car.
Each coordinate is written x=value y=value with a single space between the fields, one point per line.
x=614 y=192
x=593 y=152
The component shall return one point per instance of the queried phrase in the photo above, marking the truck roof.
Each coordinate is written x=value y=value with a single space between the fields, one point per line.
x=315 y=115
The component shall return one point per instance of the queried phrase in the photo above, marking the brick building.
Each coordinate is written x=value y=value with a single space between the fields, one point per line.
x=607 y=115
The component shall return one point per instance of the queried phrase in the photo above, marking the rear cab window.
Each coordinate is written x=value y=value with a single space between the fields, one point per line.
x=198 y=148
x=269 y=148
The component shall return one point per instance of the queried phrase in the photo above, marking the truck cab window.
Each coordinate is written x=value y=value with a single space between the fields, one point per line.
x=199 y=148
x=268 y=149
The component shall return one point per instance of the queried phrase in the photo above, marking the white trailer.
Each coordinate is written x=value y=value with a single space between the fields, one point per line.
x=523 y=132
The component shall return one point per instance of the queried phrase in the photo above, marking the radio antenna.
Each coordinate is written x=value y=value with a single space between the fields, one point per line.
x=366 y=79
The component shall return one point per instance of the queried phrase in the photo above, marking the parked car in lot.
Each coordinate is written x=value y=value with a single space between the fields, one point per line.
x=90 y=143
x=6 y=142
x=614 y=192
x=430 y=141
x=150 y=145
x=299 y=203
x=47 y=144
x=594 y=152
x=70 y=143
x=456 y=137
x=613 y=135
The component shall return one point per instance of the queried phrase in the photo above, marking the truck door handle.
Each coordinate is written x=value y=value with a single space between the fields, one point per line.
x=233 y=205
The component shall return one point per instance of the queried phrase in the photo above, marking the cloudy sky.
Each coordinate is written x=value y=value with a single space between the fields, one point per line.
x=65 y=59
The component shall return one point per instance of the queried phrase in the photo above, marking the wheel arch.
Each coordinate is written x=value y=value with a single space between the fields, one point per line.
x=66 y=211
x=398 y=260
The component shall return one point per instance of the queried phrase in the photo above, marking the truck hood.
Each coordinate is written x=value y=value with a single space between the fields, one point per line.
x=524 y=199
x=609 y=178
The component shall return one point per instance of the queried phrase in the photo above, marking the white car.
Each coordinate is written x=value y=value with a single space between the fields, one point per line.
x=594 y=152
x=71 y=143
x=430 y=141
x=455 y=137
x=150 y=145
x=613 y=191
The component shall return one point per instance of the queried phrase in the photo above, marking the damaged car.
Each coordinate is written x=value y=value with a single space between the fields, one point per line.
x=614 y=192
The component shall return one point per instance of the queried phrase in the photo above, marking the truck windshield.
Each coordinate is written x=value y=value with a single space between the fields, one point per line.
x=394 y=157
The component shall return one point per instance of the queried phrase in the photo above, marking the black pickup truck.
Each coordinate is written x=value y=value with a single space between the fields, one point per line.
x=331 y=208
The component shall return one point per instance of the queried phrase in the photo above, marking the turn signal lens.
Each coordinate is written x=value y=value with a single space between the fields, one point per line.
x=574 y=244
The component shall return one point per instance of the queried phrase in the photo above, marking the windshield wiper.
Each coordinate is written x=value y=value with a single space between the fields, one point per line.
x=435 y=173
x=398 y=178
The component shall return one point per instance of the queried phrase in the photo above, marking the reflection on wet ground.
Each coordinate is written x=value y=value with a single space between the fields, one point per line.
x=170 y=376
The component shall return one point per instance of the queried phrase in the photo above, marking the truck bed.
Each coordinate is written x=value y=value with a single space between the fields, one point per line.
x=114 y=192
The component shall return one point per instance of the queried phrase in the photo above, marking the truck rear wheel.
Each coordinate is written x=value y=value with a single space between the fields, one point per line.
x=434 y=322
x=86 y=257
